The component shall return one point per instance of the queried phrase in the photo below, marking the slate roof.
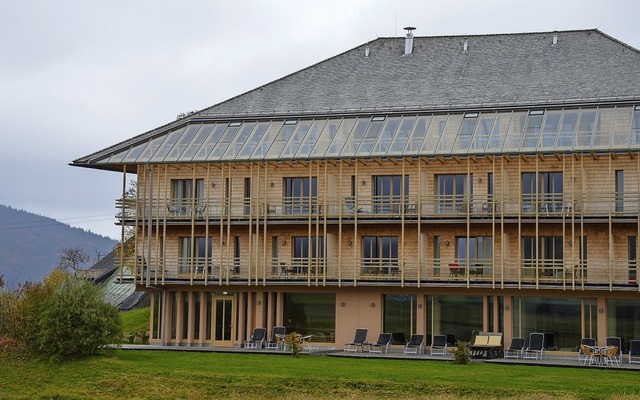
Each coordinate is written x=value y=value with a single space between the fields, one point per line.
x=507 y=69
x=500 y=71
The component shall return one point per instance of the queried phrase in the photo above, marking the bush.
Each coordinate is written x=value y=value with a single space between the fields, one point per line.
x=13 y=349
x=461 y=354
x=75 y=322
x=59 y=319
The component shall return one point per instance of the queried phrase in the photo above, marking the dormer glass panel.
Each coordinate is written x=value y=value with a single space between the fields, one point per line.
x=167 y=145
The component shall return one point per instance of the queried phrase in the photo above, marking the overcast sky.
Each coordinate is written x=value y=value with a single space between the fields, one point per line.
x=78 y=76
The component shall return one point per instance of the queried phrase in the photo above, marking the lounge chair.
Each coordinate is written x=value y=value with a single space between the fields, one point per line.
x=536 y=347
x=414 y=345
x=438 y=345
x=256 y=341
x=382 y=344
x=350 y=205
x=588 y=342
x=634 y=351
x=617 y=342
x=515 y=350
x=359 y=340
x=274 y=343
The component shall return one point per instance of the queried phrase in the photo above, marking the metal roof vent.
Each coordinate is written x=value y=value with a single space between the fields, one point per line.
x=555 y=39
x=408 y=41
x=366 y=50
x=465 y=45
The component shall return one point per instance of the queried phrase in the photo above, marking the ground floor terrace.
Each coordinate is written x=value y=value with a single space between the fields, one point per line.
x=226 y=316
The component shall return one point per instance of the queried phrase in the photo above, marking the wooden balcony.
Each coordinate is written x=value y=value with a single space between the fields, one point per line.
x=565 y=274
x=410 y=208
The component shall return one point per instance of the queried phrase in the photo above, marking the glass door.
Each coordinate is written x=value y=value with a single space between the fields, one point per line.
x=223 y=320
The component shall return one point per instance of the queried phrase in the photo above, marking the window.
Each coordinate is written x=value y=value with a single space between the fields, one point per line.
x=399 y=316
x=387 y=193
x=379 y=254
x=308 y=252
x=619 y=195
x=300 y=195
x=480 y=252
x=632 y=258
x=454 y=316
x=542 y=192
x=307 y=313
x=454 y=192
x=543 y=256
x=187 y=195
x=194 y=254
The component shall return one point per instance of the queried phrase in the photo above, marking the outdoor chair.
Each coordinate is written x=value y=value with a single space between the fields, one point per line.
x=634 y=351
x=274 y=342
x=359 y=340
x=438 y=345
x=616 y=341
x=256 y=341
x=586 y=341
x=414 y=345
x=587 y=354
x=536 y=347
x=612 y=356
x=382 y=344
x=350 y=205
x=515 y=350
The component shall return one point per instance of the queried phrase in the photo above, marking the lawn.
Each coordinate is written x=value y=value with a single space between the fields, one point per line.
x=191 y=375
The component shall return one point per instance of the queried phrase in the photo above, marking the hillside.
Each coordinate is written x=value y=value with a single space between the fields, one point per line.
x=30 y=245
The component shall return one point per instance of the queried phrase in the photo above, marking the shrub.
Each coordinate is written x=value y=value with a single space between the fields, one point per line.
x=461 y=354
x=13 y=349
x=293 y=341
x=75 y=322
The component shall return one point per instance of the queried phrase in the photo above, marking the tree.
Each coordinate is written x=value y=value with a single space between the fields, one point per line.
x=72 y=259
x=1 y=281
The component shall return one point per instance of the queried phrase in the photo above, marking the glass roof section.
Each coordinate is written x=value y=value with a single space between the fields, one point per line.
x=536 y=130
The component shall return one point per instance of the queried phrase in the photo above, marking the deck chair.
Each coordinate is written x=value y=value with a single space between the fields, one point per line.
x=516 y=348
x=256 y=341
x=274 y=342
x=359 y=340
x=438 y=345
x=634 y=351
x=414 y=345
x=536 y=347
x=616 y=341
x=382 y=344
x=350 y=205
x=588 y=342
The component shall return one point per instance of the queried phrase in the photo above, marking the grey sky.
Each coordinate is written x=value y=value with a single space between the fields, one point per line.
x=78 y=76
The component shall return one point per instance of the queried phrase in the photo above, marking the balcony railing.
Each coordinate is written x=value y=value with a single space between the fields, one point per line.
x=392 y=271
x=544 y=206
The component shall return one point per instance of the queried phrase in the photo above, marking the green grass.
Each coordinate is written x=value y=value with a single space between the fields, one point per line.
x=135 y=320
x=190 y=375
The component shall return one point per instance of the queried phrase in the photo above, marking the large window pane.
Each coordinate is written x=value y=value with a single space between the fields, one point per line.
x=454 y=316
x=560 y=319
x=399 y=316
x=311 y=314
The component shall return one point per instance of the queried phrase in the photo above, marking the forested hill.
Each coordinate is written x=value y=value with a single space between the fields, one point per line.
x=30 y=245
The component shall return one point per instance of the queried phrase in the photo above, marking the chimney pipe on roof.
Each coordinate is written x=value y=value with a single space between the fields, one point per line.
x=465 y=45
x=408 y=41
x=366 y=50
x=555 y=39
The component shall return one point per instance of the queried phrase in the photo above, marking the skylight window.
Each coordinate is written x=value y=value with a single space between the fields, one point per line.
x=234 y=124
x=637 y=108
x=291 y=122
x=378 y=119
x=536 y=112
x=471 y=115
